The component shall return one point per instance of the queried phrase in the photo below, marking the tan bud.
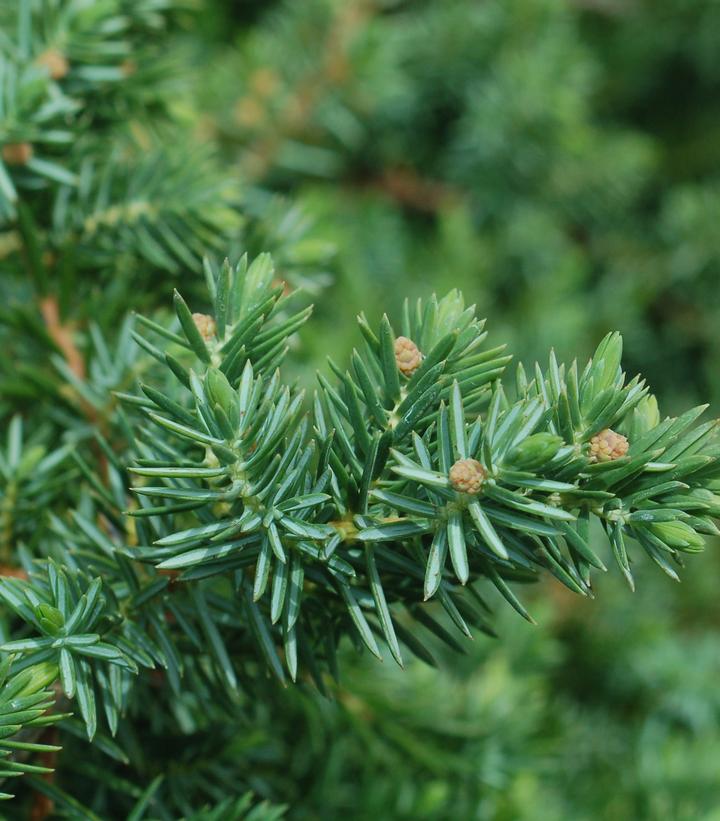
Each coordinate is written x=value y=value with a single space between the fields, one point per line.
x=607 y=446
x=55 y=62
x=407 y=356
x=17 y=153
x=467 y=476
x=206 y=325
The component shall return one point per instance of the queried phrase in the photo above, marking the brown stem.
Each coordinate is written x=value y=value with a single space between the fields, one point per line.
x=406 y=187
x=62 y=335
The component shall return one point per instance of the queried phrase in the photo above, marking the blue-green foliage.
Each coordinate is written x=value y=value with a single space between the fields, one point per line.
x=195 y=554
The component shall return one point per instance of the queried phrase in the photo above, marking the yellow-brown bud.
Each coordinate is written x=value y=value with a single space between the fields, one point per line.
x=607 y=446
x=407 y=356
x=17 y=153
x=206 y=325
x=55 y=62
x=467 y=476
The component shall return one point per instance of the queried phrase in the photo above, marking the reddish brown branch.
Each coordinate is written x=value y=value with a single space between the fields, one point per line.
x=62 y=335
x=406 y=187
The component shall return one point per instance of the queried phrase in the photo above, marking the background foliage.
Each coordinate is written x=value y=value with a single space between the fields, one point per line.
x=558 y=161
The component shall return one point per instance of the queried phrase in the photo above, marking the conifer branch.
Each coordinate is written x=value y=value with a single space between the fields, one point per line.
x=266 y=531
x=180 y=525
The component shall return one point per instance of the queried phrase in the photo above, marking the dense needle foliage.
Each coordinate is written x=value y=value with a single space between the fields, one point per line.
x=197 y=545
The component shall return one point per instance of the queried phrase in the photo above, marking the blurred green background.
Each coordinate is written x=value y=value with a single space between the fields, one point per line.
x=556 y=159
x=559 y=161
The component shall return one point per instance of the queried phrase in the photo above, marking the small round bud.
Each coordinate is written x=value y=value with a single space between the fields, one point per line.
x=17 y=153
x=467 y=476
x=407 y=356
x=206 y=325
x=607 y=446
x=55 y=62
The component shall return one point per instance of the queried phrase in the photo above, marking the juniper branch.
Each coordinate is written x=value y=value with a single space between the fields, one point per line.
x=265 y=528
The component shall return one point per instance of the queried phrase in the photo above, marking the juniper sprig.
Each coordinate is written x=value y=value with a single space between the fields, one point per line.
x=183 y=531
x=263 y=527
